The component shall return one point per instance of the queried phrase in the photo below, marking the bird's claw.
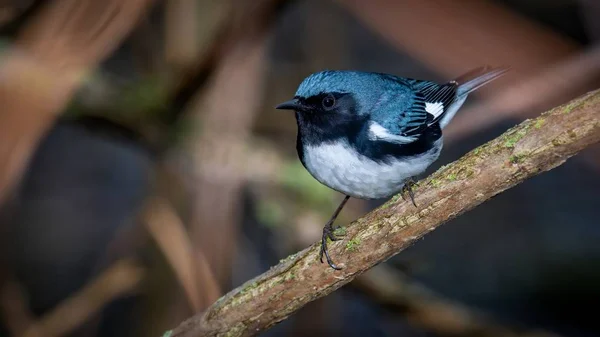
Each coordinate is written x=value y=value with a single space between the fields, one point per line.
x=407 y=189
x=328 y=233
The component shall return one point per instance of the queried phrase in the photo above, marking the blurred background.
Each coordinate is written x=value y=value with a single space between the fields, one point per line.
x=144 y=171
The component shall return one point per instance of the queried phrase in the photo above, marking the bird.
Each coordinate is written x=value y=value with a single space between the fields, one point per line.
x=368 y=135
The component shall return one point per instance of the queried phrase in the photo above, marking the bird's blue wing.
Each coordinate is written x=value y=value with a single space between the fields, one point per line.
x=437 y=97
x=407 y=107
x=400 y=114
x=413 y=120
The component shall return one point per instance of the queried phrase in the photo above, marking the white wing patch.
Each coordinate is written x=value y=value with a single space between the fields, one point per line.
x=435 y=109
x=378 y=132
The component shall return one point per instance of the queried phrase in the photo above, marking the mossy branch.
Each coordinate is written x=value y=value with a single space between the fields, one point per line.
x=532 y=147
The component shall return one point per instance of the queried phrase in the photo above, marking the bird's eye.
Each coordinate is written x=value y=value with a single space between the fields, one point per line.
x=328 y=102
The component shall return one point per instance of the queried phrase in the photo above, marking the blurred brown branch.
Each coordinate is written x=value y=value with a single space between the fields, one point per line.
x=14 y=306
x=167 y=229
x=192 y=31
x=51 y=56
x=533 y=147
x=223 y=128
x=429 y=311
x=182 y=44
x=223 y=114
x=119 y=279
x=465 y=34
x=241 y=24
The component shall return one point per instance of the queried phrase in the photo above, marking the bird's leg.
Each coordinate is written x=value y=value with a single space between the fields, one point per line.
x=407 y=189
x=328 y=234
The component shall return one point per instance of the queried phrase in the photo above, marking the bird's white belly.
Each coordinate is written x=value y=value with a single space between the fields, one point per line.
x=340 y=167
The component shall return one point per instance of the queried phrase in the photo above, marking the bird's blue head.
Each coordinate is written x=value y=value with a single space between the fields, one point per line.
x=332 y=99
x=351 y=82
x=329 y=98
x=340 y=91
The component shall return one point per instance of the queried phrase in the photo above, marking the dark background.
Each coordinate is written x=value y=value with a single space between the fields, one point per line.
x=197 y=129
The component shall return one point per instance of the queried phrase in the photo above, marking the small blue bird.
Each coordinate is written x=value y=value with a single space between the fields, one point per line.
x=368 y=135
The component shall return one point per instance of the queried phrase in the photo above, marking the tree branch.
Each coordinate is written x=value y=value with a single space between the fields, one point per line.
x=533 y=147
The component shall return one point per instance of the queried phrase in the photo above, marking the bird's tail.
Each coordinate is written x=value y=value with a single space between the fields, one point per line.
x=478 y=77
x=467 y=83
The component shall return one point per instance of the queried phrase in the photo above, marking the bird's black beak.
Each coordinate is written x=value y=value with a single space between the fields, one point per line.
x=293 y=104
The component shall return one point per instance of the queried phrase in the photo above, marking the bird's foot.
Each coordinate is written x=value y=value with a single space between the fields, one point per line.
x=407 y=189
x=328 y=233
